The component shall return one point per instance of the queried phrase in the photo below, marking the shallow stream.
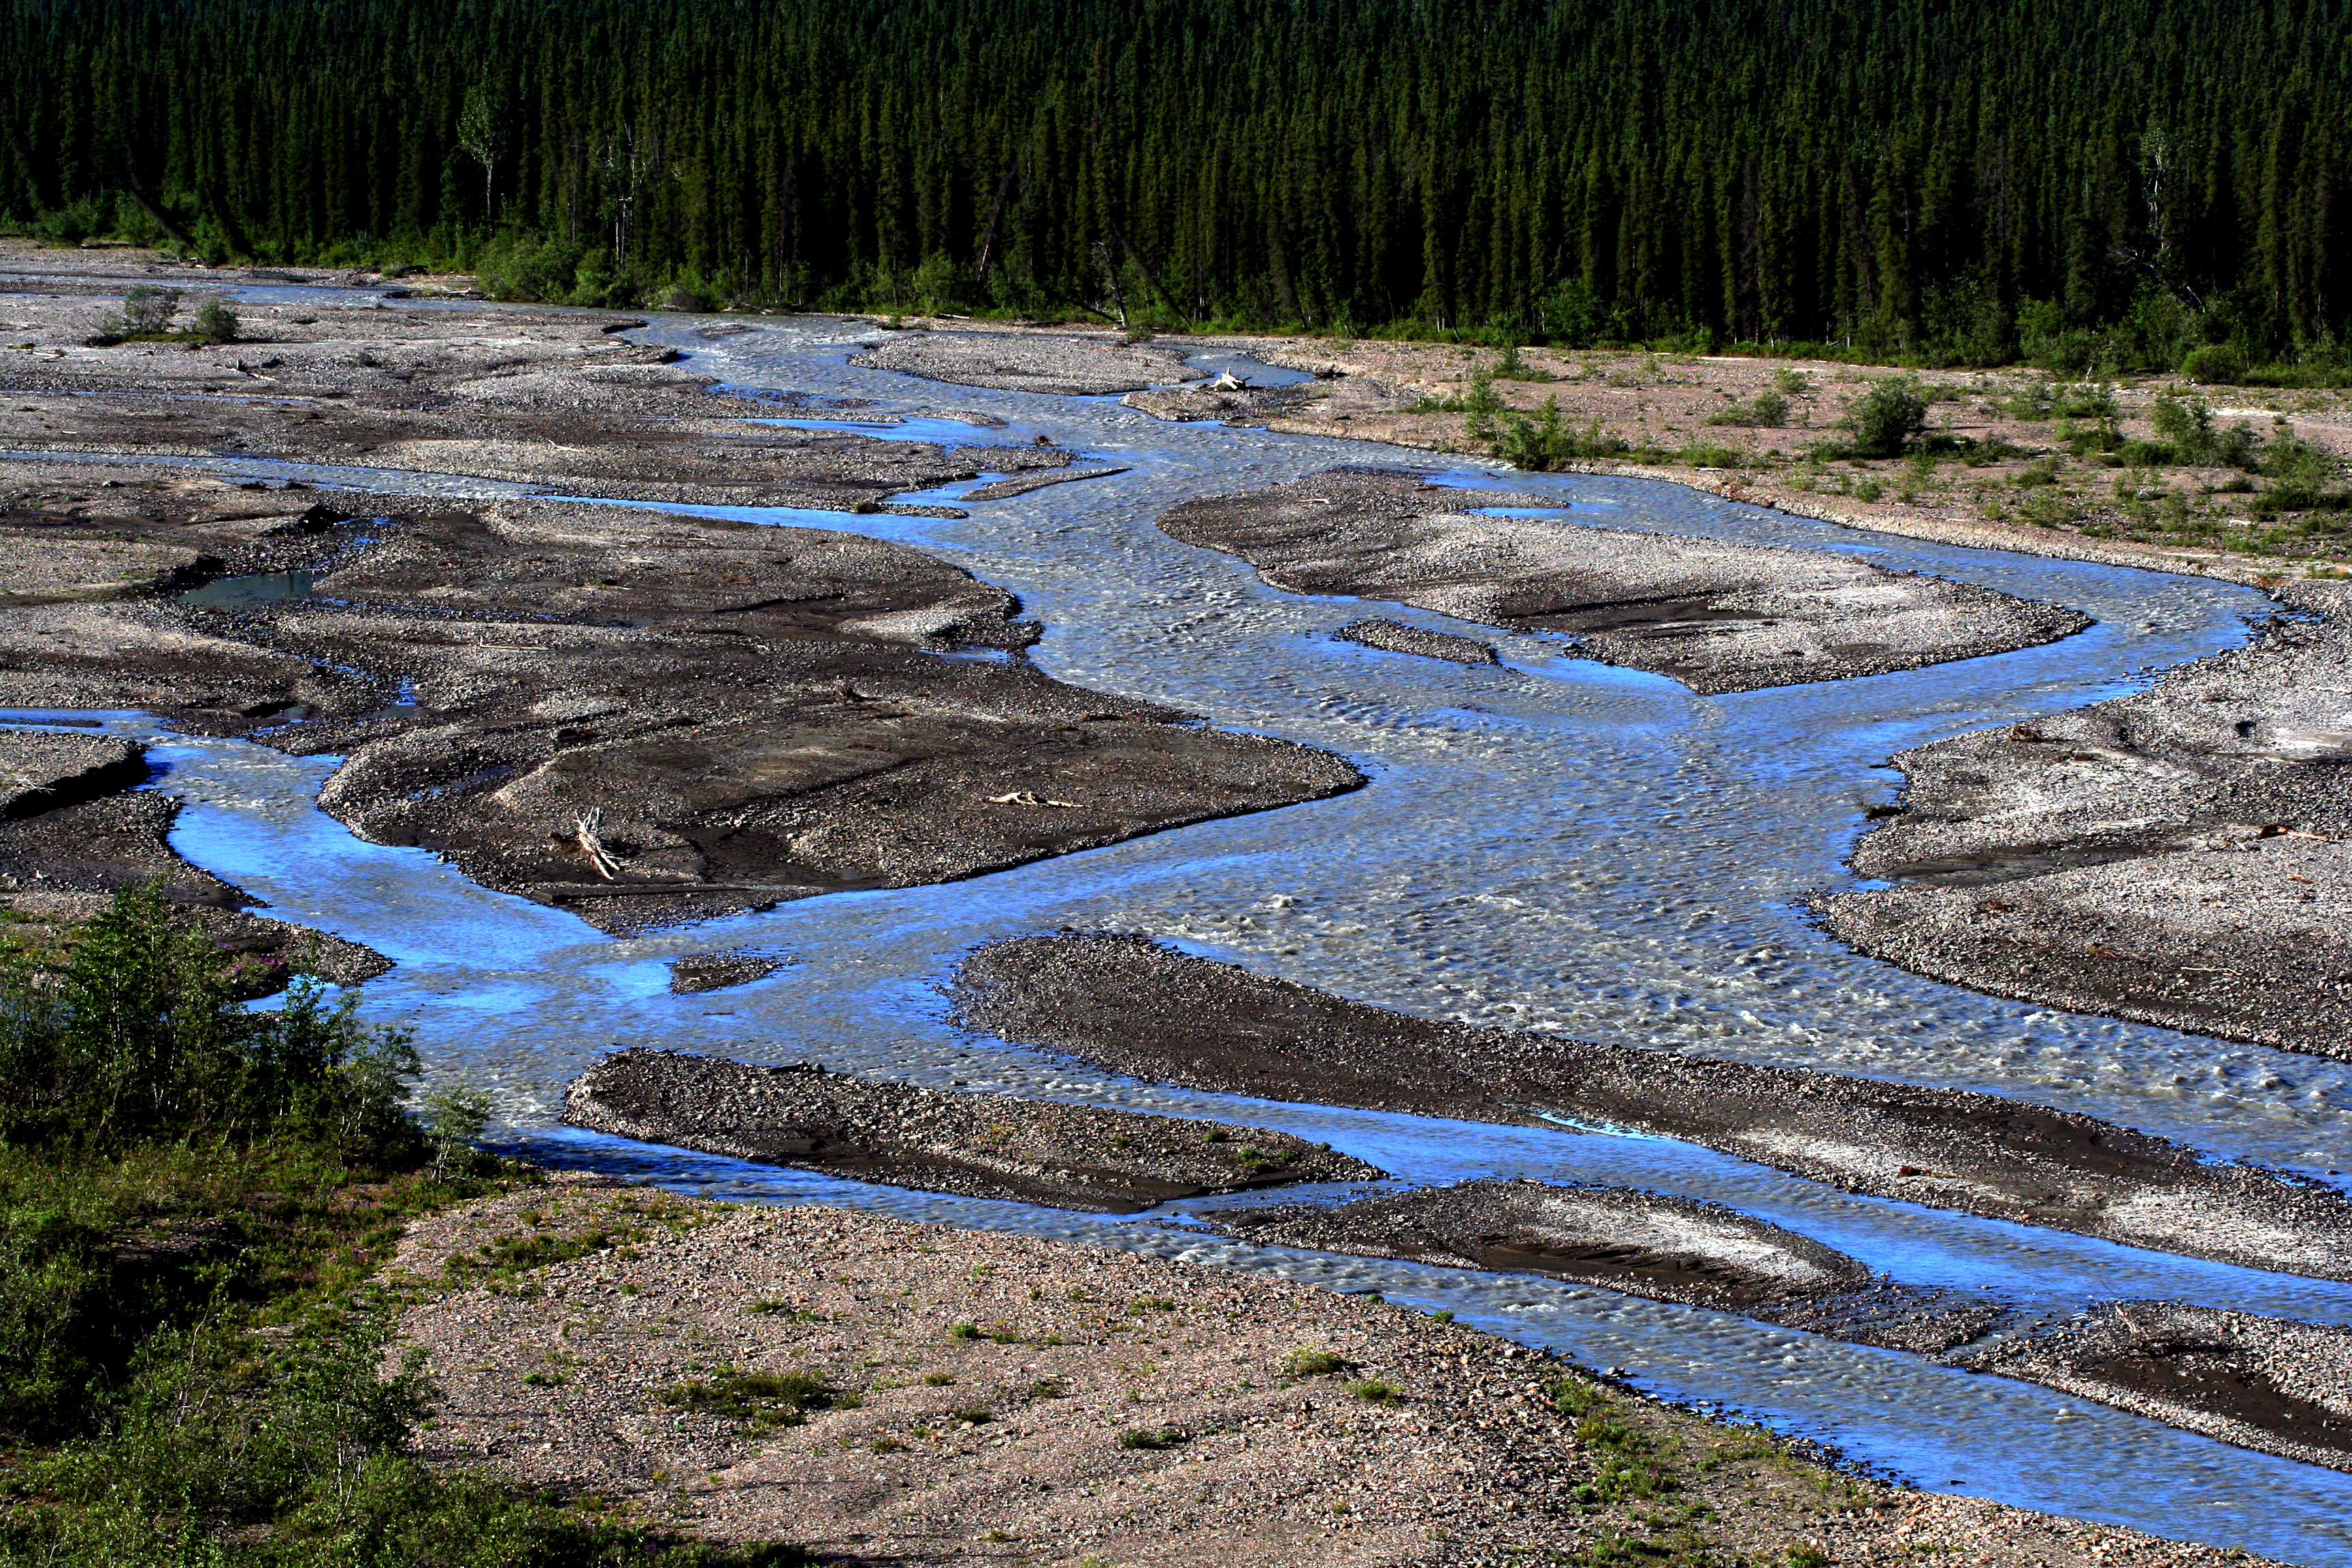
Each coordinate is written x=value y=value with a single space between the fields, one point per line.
x=1550 y=844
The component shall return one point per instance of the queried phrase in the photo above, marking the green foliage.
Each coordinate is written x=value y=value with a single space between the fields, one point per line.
x=453 y=1118
x=2222 y=364
x=1374 y=1391
x=1621 y=171
x=1767 y=410
x=2300 y=478
x=1512 y=368
x=138 y=1036
x=217 y=320
x=145 y=309
x=192 y=1199
x=761 y=1398
x=1541 y=442
x=1885 y=419
x=1305 y=1361
x=1165 y=1438
x=2190 y=438
x=1479 y=400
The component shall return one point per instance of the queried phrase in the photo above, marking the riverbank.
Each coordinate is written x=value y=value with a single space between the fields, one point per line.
x=889 y=1392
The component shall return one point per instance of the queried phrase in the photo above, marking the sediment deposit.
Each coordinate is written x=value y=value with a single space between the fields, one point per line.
x=2261 y=1383
x=1394 y=636
x=1716 y=616
x=1070 y=364
x=1132 y=1007
x=961 y=1396
x=980 y=1146
x=1643 y=1243
x=2176 y=856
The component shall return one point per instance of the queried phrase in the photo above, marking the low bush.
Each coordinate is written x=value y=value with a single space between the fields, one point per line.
x=1885 y=419
x=2222 y=364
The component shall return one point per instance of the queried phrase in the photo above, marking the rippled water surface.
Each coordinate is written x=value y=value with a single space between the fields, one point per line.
x=1548 y=845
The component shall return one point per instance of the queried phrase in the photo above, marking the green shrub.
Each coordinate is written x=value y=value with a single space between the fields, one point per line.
x=1375 y=1390
x=145 y=309
x=763 y=1398
x=217 y=320
x=1540 y=442
x=1888 y=418
x=2222 y=364
x=1166 y=1439
x=138 y=1034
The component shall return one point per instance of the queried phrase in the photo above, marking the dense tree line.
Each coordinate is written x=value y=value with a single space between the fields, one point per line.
x=2116 y=178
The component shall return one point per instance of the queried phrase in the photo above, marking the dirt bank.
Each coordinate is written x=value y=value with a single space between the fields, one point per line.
x=2176 y=856
x=1132 y=1007
x=1067 y=365
x=2261 y=1383
x=1643 y=1243
x=894 y=1393
x=1092 y=1158
x=1716 y=616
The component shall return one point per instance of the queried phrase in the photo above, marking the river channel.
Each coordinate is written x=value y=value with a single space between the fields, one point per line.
x=1551 y=845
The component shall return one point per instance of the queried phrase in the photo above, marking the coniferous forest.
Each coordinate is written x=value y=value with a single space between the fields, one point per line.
x=2086 y=182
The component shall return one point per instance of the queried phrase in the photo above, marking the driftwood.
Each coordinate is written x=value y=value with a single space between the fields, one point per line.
x=588 y=837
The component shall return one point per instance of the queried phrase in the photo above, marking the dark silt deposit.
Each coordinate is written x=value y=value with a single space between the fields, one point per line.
x=2176 y=856
x=1133 y=1006
x=980 y=1146
x=1716 y=616
x=717 y=971
x=648 y=718
x=2261 y=1383
x=1394 y=636
x=1070 y=365
x=1643 y=1243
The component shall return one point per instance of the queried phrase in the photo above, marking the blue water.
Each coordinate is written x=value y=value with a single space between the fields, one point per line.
x=1551 y=845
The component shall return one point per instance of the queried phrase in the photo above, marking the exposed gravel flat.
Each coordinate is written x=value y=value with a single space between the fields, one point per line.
x=1644 y=1243
x=556 y=1376
x=1132 y=1007
x=2176 y=856
x=1714 y=615
x=1064 y=364
x=2261 y=1383
x=981 y=1145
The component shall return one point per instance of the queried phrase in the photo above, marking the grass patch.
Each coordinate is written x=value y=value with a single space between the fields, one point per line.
x=764 y=1399
x=1307 y=1362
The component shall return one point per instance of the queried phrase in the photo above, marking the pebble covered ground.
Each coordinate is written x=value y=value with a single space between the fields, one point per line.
x=887 y=1391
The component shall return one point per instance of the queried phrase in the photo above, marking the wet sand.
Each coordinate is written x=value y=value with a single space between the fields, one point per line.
x=1716 y=616
x=1089 y=1158
x=1641 y=1244
x=1131 y=1007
